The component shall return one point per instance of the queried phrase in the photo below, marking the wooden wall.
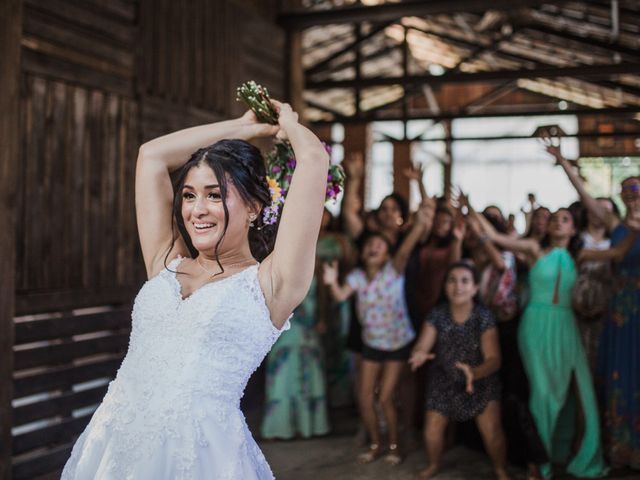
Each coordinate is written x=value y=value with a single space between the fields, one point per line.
x=97 y=78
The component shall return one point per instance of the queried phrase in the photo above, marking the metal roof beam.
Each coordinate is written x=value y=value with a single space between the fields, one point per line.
x=500 y=75
x=393 y=11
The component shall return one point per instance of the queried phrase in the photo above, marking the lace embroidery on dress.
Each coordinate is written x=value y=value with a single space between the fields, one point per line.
x=172 y=411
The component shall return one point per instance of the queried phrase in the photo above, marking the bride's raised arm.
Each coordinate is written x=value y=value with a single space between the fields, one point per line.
x=287 y=272
x=154 y=193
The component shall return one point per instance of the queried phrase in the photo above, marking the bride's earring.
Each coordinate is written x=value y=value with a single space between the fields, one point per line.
x=252 y=218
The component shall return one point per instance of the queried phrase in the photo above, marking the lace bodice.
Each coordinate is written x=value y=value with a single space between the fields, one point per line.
x=210 y=342
x=186 y=368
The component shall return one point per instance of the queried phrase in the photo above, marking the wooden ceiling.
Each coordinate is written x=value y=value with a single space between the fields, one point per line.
x=376 y=60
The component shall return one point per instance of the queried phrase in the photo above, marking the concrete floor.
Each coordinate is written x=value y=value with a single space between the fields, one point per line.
x=333 y=458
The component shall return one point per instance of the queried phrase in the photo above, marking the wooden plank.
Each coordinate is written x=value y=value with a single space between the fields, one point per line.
x=75 y=57
x=117 y=31
x=69 y=34
x=128 y=240
x=67 y=202
x=160 y=47
x=198 y=35
x=172 y=54
x=42 y=196
x=76 y=222
x=62 y=327
x=34 y=183
x=118 y=9
x=50 y=301
x=10 y=33
x=52 y=407
x=108 y=190
x=96 y=164
x=60 y=377
x=184 y=64
x=56 y=68
x=55 y=207
x=25 y=123
x=63 y=353
x=208 y=38
x=41 y=463
x=60 y=433
x=144 y=47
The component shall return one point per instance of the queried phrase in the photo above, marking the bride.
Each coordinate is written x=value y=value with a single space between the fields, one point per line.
x=209 y=312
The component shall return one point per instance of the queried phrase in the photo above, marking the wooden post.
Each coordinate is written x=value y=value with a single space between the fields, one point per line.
x=449 y=162
x=294 y=76
x=357 y=139
x=401 y=162
x=10 y=33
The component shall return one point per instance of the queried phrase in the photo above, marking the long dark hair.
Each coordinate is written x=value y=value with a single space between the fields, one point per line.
x=529 y=233
x=445 y=241
x=401 y=202
x=242 y=164
x=575 y=243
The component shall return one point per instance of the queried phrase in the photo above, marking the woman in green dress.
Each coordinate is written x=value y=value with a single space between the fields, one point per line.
x=552 y=352
x=296 y=403
x=296 y=388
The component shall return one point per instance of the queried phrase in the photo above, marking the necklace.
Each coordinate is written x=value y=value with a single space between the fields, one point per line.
x=242 y=263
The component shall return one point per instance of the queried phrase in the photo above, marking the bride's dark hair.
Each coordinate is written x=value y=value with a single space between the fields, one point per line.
x=242 y=164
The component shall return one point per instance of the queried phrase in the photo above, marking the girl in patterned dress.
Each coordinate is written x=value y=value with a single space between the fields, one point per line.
x=463 y=378
x=387 y=332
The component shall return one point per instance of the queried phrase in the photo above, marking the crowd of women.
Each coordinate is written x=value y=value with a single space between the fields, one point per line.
x=451 y=315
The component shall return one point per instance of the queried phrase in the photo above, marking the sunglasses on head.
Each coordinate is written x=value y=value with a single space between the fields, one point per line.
x=631 y=188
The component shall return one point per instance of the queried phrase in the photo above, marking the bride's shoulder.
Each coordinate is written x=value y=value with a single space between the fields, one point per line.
x=166 y=265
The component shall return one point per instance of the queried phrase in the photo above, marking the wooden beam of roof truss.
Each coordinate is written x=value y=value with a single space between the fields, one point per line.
x=563 y=33
x=348 y=48
x=585 y=135
x=593 y=71
x=365 y=117
x=393 y=11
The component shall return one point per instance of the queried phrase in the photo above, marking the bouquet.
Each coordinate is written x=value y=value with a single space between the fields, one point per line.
x=281 y=161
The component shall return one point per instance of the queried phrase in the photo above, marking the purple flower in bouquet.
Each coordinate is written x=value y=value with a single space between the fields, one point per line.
x=281 y=161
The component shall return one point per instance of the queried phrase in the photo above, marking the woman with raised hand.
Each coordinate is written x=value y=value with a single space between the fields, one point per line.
x=387 y=332
x=617 y=366
x=552 y=352
x=209 y=312
x=390 y=218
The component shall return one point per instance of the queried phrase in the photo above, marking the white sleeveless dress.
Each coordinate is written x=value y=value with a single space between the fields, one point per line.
x=173 y=410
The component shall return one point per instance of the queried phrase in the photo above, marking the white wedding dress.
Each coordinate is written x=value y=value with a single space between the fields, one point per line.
x=173 y=410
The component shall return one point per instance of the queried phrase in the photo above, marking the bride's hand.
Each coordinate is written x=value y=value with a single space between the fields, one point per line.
x=287 y=118
x=252 y=130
